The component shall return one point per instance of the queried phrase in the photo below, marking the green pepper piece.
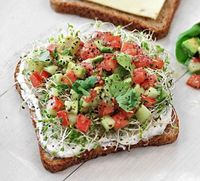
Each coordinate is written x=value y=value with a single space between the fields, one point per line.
x=181 y=55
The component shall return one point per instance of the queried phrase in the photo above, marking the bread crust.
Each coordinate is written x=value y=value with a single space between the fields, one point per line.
x=58 y=164
x=159 y=27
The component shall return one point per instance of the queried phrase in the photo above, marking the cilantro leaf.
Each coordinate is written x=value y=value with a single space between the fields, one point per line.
x=125 y=61
x=83 y=86
x=129 y=100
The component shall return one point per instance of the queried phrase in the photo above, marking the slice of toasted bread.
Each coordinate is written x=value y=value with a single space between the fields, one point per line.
x=57 y=164
x=159 y=27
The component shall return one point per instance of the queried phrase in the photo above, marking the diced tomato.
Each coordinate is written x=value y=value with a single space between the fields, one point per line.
x=150 y=81
x=64 y=116
x=36 y=79
x=127 y=114
x=157 y=64
x=109 y=63
x=88 y=66
x=196 y=60
x=148 y=101
x=194 y=81
x=44 y=74
x=83 y=123
x=139 y=75
x=111 y=40
x=120 y=121
x=78 y=53
x=57 y=104
x=69 y=78
x=105 y=108
x=130 y=48
x=142 y=61
x=92 y=96
x=89 y=50
x=51 y=48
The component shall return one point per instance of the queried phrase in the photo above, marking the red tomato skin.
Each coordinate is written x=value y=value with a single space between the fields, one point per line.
x=127 y=114
x=113 y=41
x=120 y=121
x=88 y=66
x=89 y=50
x=148 y=101
x=69 y=78
x=139 y=75
x=142 y=61
x=51 y=48
x=109 y=63
x=83 y=123
x=157 y=64
x=105 y=108
x=196 y=60
x=130 y=48
x=194 y=81
x=36 y=79
x=64 y=116
x=44 y=74
x=92 y=96
x=57 y=104
x=149 y=82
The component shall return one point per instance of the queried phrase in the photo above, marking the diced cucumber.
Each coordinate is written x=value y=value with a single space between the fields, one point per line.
x=51 y=112
x=194 y=67
x=102 y=48
x=143 y=114
x=72 y=118
x=51 y=69
x=64 y=59
x=34 y=66
x=57 y=78
x=151 y=92
x=54 y=92
x=74 y=95
x=72 y=106
x=139 y=89
x=107 y=122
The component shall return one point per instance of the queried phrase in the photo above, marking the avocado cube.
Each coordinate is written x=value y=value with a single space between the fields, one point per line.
x=143 y=114
x=194 y=67
x=191 y=45
x=107 y=122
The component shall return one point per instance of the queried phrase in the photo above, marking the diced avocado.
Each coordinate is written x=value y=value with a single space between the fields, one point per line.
x=107 y=122
x=72 y=118
x=51 y=69
x=51 y=112
x=151 y=92
x=139 y=89
x=79 y=71
x=194 y=67
x=125 y=61
x=72 y=106
x=95 y=60
x=191 y=45
x=128 y=80
x=103 y=48
x=57 y=78
x=74 y=95
x=64 y=59
x=34 y=66
x=54 y=92
x=143 y=114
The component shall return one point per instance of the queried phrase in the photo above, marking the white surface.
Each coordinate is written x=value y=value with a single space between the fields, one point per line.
x=24 y=21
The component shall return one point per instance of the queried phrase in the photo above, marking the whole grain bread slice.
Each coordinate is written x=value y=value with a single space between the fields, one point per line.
x=159 y=27
x=58 y=164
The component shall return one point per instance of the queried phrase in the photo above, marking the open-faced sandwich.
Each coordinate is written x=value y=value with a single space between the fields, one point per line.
x=97 y=92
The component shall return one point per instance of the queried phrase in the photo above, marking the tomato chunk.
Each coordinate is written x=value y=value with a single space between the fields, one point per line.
x=69 y=78
x=64 y=116
x=142 y=61
x=139 y=75
x=36 y=79
x=89 y=50
x=157 y=64
x=196 y=60
x=194 y=81
x=51 y=48
x=83 y=123
x=44 y=74
x=105 y=108
x=112 y=41
x=120 y=121
x=57 y=104
x=109 y=63
x=92 y=96
x=150 y=81
x=130 y=48
x=148 y=101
